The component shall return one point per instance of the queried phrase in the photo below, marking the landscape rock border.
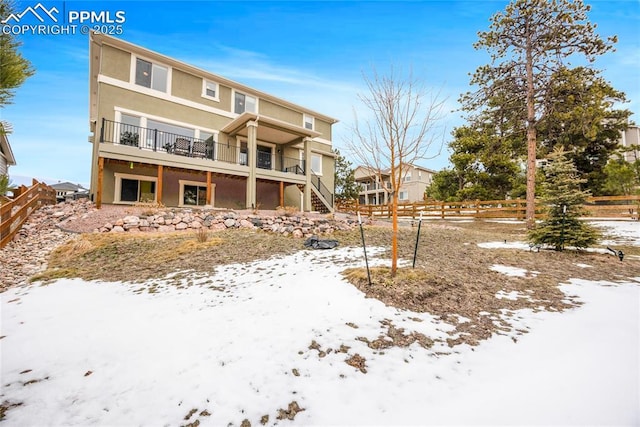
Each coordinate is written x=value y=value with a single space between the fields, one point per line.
x=178 y=219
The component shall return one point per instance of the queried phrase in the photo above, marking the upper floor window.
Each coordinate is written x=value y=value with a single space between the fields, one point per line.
x=316 y=164
x=309 y=122
x=210 y=90
x=151 y=75
x=244 y=103
x=407 y=177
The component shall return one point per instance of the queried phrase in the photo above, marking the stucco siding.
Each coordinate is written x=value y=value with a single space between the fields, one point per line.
x=281 y=113
x=324 y=128
x=112 y=96
x=115 y=63
x=188 y=86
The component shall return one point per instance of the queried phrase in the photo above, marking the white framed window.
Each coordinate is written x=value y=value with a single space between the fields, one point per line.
x=210 y=90
x=309 y=122
x=131 y=189
x=151 y=75
x=407 y=177
x=128 y=131
x=316 y=164
x=153 y=132
x=403 y=196
x=193 y=193
x=244 y=103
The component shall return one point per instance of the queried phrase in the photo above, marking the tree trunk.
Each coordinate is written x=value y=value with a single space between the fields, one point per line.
x=531 y=177
x=394 y=234
x=531 y=135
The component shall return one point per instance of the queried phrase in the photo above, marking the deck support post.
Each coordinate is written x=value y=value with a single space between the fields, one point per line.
x=100 y=179
x=159 y=186
x=307 y=173
x=252 y=152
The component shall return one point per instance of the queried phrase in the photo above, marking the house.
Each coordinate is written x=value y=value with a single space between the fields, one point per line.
x=629 y=137
x=69 y=190
x=6 y=155
x=374 y=185
x=168 y=132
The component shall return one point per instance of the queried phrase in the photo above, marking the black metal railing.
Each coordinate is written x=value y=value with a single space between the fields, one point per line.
x=322 y=189
x=172 y=143
x=280 y=163
x=185 y=145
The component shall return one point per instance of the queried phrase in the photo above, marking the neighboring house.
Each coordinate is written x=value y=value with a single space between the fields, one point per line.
x=630 y=137
x=374 y=186
x=69 y=190
x=168 y=132
x=6 y=155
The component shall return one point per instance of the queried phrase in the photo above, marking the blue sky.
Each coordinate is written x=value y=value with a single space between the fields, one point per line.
x=310 y=53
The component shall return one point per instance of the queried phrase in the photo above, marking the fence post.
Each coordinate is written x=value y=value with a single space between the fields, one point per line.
x=442 y=210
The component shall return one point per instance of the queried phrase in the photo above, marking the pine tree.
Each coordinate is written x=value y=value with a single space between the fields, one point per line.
x=14 y=68
x=345 y=180
x=5 y=185
x=528 y=42
x=564 y=202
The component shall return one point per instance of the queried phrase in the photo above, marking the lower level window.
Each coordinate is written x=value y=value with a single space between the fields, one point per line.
x=133 y=188
x=193 y=193
x=403 y=195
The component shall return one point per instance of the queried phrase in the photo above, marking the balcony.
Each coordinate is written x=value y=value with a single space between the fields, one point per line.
x=188 y=146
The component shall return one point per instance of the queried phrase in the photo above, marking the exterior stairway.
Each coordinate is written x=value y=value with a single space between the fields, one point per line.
x=319 y=195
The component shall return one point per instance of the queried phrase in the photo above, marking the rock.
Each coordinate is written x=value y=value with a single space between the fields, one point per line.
x=245 y=224
x=229 y=222
x=117 y=229
x=182 y=226
x=219 y=226
x=131 y=219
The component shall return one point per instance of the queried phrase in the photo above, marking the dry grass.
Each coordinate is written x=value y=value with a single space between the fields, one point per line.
x=452 y=276
x=138 y=257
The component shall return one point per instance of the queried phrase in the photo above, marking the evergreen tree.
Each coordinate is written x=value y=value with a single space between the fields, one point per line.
x=14 y=68
x=529 y=42
x=584 y=122
x=5 y=185
x=345 y=181
x=564 y=200
x=622 y=178
x=444 y=186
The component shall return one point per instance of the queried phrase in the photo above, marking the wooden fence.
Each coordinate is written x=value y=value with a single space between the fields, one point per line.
x=26 y=200
x=609 y=207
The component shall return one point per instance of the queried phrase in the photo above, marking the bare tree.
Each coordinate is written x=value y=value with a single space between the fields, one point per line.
x=399 y=128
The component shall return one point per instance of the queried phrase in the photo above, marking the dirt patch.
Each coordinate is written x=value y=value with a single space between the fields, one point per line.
x=358 y=362
x=454 y=280
x=395 y=337
x=291 y=411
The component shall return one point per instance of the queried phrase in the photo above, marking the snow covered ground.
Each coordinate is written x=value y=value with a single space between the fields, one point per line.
x=254 y=338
